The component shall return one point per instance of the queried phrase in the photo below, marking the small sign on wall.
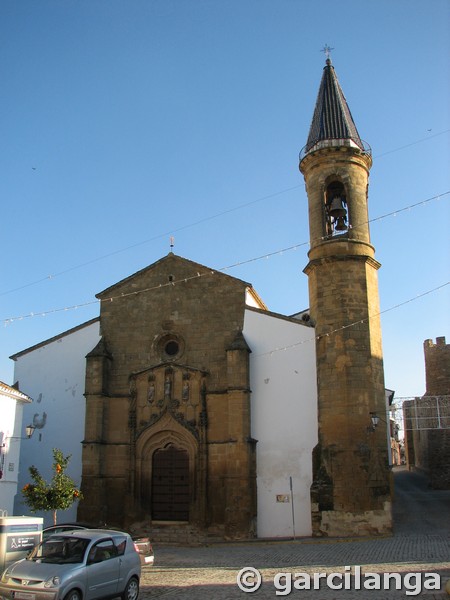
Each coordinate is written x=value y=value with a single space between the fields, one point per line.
x=22 y=542
x=283 y=498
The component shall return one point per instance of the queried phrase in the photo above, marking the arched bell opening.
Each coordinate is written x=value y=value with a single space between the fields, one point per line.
x=336 y=210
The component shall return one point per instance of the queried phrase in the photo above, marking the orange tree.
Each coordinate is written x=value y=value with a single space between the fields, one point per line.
x=59 y=494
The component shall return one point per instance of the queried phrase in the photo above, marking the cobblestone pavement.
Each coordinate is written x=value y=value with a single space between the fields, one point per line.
x=210 y=572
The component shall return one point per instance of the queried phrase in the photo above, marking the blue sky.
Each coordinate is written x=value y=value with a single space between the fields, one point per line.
x=125 y=122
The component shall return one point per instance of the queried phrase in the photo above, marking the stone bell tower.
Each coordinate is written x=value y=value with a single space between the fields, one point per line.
x=350 y=493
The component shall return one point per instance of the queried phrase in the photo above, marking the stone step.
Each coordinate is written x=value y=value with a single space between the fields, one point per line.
x=175 y=533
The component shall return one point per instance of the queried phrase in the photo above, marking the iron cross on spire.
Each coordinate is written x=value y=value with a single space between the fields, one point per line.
x=327 y=51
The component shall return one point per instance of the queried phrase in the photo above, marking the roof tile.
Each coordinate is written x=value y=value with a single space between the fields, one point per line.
x=332 y=119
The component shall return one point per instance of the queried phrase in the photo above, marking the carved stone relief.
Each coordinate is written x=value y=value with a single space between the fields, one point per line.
x=173 y=389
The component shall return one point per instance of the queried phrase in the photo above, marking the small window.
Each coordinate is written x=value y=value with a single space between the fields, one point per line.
x=121 y=543
x=172 y=348
x=102 y=551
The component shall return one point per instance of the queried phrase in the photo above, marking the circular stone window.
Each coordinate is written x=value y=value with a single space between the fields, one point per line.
x=170 y=346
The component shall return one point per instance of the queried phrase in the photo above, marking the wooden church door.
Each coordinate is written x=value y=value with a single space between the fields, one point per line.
x=170 y=485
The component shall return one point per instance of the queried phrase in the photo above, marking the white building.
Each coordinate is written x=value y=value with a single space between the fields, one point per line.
x=53 y=372
x=284 y=420
x=12 y=403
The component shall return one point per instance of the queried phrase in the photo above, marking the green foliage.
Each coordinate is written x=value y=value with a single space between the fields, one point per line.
x=60 y=494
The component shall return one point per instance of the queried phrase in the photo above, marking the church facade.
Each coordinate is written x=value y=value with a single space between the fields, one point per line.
x=192 y=423
x=173 y=366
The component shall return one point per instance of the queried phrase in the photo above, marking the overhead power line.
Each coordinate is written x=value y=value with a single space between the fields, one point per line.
x=196 y=276
x=358 y=322
x=267 y=255
x=223 y=269
x=412 y=144
x=193 y=224
x=148 y=240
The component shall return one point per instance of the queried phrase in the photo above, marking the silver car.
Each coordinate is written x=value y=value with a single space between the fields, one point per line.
x=81 y=565
x=142 y=544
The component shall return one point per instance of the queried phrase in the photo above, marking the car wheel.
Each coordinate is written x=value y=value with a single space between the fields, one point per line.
x=73 y=595
x=131 y=591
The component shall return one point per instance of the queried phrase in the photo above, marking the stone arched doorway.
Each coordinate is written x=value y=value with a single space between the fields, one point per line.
x=169 y=470
x=170 y=487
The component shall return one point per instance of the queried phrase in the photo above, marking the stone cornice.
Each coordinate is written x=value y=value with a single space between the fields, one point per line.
x=341 y=258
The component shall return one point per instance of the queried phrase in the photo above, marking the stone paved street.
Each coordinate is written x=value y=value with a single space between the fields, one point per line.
x=210 y=572
x=421 y=544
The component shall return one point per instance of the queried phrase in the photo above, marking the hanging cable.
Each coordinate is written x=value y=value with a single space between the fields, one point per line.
x=223 y=269
x=358 y=322
x=193 y=224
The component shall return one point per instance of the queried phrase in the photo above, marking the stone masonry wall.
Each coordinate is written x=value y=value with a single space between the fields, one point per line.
x=437 y=367
x=427 y=419
x=350 y=494
x=141 y=405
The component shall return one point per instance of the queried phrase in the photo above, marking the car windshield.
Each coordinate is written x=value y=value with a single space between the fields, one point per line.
x=60 y=550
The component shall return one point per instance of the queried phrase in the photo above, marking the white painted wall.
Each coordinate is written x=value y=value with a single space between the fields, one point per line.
x=11 y=434
x=284 y=420
x=53 y=374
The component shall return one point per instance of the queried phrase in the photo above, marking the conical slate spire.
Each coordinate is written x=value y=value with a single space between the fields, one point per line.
x=332 y=118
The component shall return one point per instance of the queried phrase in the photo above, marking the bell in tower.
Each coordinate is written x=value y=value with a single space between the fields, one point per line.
x=336 y=209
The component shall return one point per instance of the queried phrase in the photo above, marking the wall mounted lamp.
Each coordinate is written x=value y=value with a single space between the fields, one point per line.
x=29 y=430
x=375 y=419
